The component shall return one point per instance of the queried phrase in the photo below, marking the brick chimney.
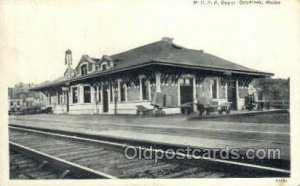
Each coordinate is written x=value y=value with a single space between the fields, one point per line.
x=167 y=39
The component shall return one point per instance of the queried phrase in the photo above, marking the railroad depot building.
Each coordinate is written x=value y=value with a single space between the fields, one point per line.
x=116 y=84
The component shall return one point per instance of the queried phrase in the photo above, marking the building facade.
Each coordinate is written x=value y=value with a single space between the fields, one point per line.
x=20 y=97
x=116 y=84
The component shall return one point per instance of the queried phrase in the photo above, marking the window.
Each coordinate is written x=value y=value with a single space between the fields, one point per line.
x=214 y=89
x=83 y=69
x=87 y=94
x=104 y=66
x=122 y=91
x=145 y=90
x=74 y=95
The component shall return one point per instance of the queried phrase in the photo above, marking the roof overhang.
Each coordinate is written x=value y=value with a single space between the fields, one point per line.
x=258 y=73
x=146 y=64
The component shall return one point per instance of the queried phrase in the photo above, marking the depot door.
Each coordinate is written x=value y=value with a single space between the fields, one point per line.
x=231 y=94
x=186 y=90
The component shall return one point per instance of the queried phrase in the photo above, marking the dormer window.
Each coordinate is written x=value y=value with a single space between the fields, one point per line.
x=84 y=69
x=104 y=66
x=105 y=63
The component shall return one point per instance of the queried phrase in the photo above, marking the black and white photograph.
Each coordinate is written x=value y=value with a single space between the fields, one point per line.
x=149 y=92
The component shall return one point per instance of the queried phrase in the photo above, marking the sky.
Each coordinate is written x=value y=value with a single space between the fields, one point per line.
x=35 y=34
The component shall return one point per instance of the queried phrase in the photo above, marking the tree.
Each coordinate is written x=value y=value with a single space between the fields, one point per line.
x=273 y=89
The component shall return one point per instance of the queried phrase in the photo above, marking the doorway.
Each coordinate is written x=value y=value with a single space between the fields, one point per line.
x=186 y=90
x=105 y=98
x=231 y=94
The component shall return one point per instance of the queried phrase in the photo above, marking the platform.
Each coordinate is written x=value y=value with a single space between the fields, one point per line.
x=175 y=130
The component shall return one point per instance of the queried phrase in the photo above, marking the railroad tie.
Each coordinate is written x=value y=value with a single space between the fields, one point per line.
x=64 y=174
x=42 y=165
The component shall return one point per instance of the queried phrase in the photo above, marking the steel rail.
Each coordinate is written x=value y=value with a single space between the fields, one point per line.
x=188 y=156
x=58 y=162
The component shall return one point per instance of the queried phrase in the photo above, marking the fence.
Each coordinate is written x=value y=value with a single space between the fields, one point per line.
x=280 y=104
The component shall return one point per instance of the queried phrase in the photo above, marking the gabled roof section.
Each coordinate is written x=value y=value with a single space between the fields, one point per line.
x=69 y=72
x=86 y=58
x=106 y=58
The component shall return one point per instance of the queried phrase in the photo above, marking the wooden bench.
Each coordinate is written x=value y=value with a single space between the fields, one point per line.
x=143 y=110
x=187 y=108
x=158 y=110
x=207 y=105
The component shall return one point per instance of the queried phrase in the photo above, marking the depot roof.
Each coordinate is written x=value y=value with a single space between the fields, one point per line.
x=163 y=52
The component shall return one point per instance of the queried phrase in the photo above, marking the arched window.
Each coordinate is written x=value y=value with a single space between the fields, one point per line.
x=84 y=69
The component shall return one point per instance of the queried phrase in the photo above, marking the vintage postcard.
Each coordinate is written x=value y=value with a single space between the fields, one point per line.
x=184 y=92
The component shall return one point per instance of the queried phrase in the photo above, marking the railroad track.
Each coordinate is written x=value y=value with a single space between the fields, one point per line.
x=83 y=157
x=24 y=167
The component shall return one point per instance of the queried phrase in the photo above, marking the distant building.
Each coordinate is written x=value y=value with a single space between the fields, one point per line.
x=118 y=83
x=20 y=97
